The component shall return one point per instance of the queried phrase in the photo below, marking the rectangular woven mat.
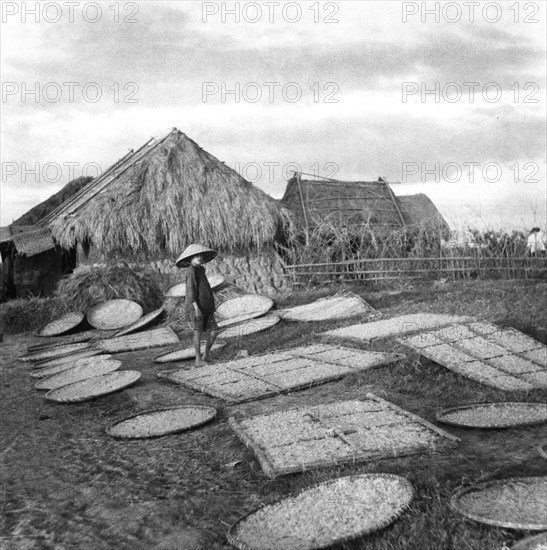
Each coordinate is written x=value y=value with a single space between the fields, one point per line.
x=163 y=336
x=503 y=358
x=397 y=326
x=322 y=436
x=264 y=375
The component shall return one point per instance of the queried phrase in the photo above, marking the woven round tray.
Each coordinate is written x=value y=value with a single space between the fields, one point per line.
x=514 y=503
x=542 y=450
x=90 y=352
x=249 y=327
x=55 y=369
x=245 y=305
x=183 y=354
x=114 y=314
x=162 y=422
x=57 y=351
x=341 y=305
x=62 y=325
x=329 y=513
x=224 y=323
x=77 y=373
x=495 y=415
x=536 y=542
x=178 y=290
x=146 y=321
x=94 y=387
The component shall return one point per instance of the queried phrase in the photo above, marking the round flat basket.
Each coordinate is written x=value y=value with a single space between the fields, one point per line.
x=536 y=542
x=495 y=415
x=57 y=351
x=61 y=341
x=143 y=322
x=514 y=503
x=249 y=327
x=114 y=314
x=542 y=450
x=77 y=373
x=224 y=323
x=183 y=354
x=62 y=325
x=325 y=514
x=55 y=369
x=245 y=305
x=90 y=352
x=94 y=387
x=178 y=290
x=162 y=422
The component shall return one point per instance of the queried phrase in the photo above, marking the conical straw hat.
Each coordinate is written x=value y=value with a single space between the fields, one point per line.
x=185 y=258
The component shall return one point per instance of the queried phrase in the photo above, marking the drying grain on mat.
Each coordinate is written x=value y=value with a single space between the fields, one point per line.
x=57 y=351
x=495 y=415
x=70 y=364
x=71 y=358
x=94 y=387
x=518 y=503
x=325 y=514
x=341 y=305
x=77 y=373
x=162 y=422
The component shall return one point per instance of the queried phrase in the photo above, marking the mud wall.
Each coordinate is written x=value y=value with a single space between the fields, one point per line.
x=262 y=272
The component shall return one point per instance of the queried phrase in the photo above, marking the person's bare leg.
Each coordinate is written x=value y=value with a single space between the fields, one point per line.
x=197 y=346
x=211 y=337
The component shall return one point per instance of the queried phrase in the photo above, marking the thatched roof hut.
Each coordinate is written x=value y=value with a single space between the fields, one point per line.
x=419 y=211
x=354 y=205
x=348 y=204
x=32 y=263
x=158 y=199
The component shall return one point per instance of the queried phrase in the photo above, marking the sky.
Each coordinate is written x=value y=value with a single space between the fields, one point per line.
x=446 y=98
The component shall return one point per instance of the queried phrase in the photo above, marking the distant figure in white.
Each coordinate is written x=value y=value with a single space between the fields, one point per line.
x=536 y=243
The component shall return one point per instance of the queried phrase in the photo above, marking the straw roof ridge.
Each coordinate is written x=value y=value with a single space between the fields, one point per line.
x=175 y=194
x=36 y=213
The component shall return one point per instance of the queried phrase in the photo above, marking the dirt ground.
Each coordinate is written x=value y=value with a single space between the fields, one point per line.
x=67 y=484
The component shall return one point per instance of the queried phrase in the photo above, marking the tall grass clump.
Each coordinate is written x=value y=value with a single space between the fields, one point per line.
x=89 y=286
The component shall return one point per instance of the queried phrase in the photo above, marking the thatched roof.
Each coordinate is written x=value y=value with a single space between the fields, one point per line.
x=27 y=240
x=348 y=204
x=164 y=196
x=419 y=211
x=38 y=212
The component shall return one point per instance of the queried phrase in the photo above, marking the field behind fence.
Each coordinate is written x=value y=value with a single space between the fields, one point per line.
x=325 y=256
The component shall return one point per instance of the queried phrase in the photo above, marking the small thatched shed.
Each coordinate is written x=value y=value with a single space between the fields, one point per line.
x=419 y=211
x=169 y=193
x=356 y=204
x=348 y=204
x=32 y=263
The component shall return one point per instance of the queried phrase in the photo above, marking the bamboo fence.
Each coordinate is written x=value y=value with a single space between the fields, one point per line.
x=383 y=269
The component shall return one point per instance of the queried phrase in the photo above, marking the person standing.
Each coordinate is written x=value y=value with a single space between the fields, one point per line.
x=200 y=301
x=536 y=243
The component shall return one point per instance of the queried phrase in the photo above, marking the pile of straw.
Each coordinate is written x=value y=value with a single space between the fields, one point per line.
x=89 y=286
x=30 y=313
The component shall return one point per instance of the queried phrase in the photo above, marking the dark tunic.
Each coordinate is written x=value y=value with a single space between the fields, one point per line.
x=198 y=290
